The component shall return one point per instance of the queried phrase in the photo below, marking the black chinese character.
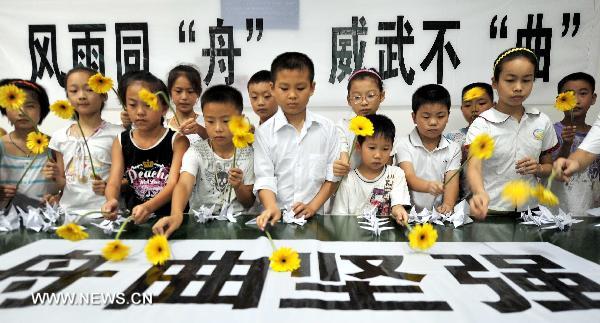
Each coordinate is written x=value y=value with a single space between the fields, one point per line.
x=132 y=47
x=46 y=50
x=87 y=51
x=541 y=50
x=439 y=46
x=225 y=50
x=385 y=61
x=341 y=56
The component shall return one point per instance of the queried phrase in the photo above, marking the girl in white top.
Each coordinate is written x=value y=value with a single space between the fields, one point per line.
x=524 y=137
x=72 y=171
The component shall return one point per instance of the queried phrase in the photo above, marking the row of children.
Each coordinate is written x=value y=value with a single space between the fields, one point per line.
x=298 y=156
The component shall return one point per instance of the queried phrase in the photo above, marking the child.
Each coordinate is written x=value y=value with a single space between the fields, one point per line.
x=261 y=97
x=365 y=94
x=523 y=137
x=582 y=191
x=373 y=182
x=295 y=149
x=15 y=157
x=72 y=170
x=426 y=157
x=206 y=171
x=149 y=154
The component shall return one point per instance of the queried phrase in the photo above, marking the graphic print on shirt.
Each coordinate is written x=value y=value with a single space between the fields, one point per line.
x=148 y=178
x=381 y=197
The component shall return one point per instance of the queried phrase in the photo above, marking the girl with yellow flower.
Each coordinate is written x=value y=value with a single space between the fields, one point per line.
x=82 y=148
x=22 y=160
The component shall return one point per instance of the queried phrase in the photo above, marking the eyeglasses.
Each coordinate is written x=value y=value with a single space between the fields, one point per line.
x=371 y=96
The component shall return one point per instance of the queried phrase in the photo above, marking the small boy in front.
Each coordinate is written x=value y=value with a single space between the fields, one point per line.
x=427 y=158
x=261 y=97
x=295 y=149
x=373 y=182
x=207 y=172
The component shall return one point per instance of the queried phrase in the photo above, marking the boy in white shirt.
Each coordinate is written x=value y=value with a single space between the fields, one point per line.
x=373 y=182
x=295 y=149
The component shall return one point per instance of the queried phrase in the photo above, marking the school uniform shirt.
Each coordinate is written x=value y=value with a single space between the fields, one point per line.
x=428 y=165
x=591 y=143
x=513 y=141
x=459 y=136
x=211 y=173
x=78 y=195
x=386 y=190
x=295 y=165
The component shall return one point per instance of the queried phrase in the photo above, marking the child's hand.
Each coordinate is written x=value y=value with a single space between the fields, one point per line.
x=109 y=209
x=98 y=186
x=568 y=133
x=235 y=178
x=50 y=170
x=125 y=119
x=479 y=205
x=564 y=168
x=51 y=199
x=399 y=214
x=527 y=166
x=266 y=215
x=167 y=225
x=445 y=208
x=7 y=191
x=301 y=209
x=140 y=213
x=435 y=188
x=341 y=167
x=190 y=126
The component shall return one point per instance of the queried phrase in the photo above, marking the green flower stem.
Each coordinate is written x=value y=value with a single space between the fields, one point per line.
x=550 y=179
x=122 y=227
x=164 y=96
x=87 y=147
x=234 y=155
x=270 y=240
x=459 y=170
x=118 y=98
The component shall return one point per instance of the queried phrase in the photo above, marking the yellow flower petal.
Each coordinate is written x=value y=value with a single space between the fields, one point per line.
x=71 y=231
x=37 y=142
x=115 y=251
x=149 y=98
x=285 y=259
x=361 y=126
x=544 y=195
x=157 y=250
x=516 y=192
x=474 y=93
x=566 y=101
x=482 y=147
x=239 y=125
x=99 y=83
x=12 y=97
x=63 y=109
x=242 y=140
x=422 y=237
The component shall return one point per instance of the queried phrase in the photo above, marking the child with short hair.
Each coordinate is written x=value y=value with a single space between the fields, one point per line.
x=373 y=182
x=260 y=91
x=149 y=154
x=427 y=158
x=295 y=149
x=523 y=137
x=206 y=172
x=582 y=191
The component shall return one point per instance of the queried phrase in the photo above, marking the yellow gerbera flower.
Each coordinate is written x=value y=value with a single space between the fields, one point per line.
x=422 y=237
x=71 y=231
x=99 y=83
x=566 y=101
x=149 y=98
x=285 y=259
x=474 y=93
x=157 y=250
x=63 y=109
x=361 y=126
x=12 y=97
x=517 y=192
x=239 y=125
x=242 y=140
x=115 y=251
x=37 y=142
x=482 y=146
x=544 y=195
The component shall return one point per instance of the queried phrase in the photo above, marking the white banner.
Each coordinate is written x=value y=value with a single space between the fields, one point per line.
x=229 y=281
x=411 y=42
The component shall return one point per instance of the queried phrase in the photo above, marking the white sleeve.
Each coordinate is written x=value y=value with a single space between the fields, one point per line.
x=190 y=163
x=333 y=154
x=455 y=156
x=399 y=194
x=343 y=140
x=550 y=140
x=342 y=199
x=403 y=151
x=264 y=169
x=591 y=143
x=476 y=128
x=56 y=140
x=249 y=173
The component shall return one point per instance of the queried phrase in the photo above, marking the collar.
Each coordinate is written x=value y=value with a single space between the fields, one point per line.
x=279 y=120
x=495 y=116
x=416 y=141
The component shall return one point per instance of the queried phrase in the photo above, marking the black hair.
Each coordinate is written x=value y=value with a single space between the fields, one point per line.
x=292 y=61
x=486 y=86
x=154 y=83
x=430 y=93
x=363 y=74
x=259 y=77
x=190 y=72
x=382 y=126
x=38 y=90
x=512 y=53
x=578 y=76
x=223 y=94
x=90 y=72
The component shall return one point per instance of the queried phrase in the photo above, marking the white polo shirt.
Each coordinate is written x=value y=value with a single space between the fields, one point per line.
x=513 y=141
x=294 y=165
x=591 y=143
x=428 y=165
